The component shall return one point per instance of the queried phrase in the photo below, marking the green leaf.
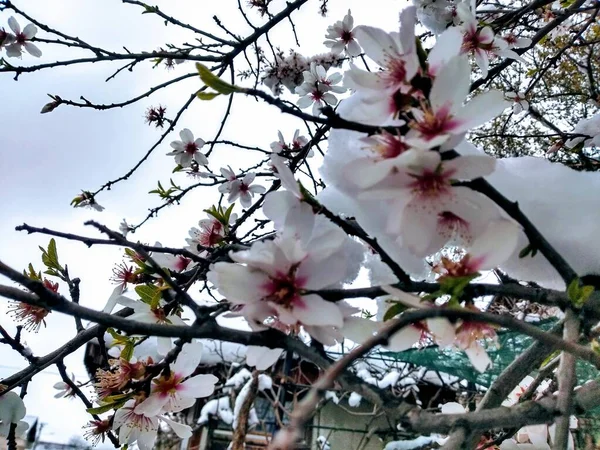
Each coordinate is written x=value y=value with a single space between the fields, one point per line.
x=579 y=294
x=119 y=338
x=207 y=95
x=213 y=81
x=50 y=256
x=393 y=311
x=148 y=293
x=179 y=168
x=454 y=286
x=127 y=352
x=32 y=273
x=549 y=358
x=102 y=409
x=150 y=9
x=573 y=290
x=52 y=251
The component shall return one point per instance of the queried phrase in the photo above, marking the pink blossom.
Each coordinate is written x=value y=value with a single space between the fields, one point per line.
x=176 y=390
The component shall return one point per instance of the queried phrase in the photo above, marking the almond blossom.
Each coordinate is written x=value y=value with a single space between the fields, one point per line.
x=298 y=142
x=124 y=228
x=12 y=410
x=438 y=328
x=317 y=88
x=520 y=102
x=64 y=390
x=589 y=129
x=262 y=357
x=142 y=429
x=6 y=38
x=490 y=249
x=444 y=116
x=273 y=279
x=396 y=54
x=240 y=188
x=514 y=41
x=494 y=246
x=340 y=37
x=21 y=40
x=435 y=15
x=476 y=42
x=385 y=153
x=187 y=150
x=426 y=208
x=175 y=390
x=143 y=312
x=175 y=263
x=286 y=208
x=209 y=235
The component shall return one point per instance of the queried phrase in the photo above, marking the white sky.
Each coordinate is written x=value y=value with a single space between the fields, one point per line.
x=47 y=159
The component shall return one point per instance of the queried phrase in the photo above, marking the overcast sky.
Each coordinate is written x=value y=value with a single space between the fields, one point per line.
x=47 y=159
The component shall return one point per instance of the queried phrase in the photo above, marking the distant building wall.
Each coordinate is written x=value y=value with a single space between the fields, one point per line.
x=349 y=428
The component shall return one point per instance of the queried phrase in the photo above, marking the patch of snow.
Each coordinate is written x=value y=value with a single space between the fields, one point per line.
x=219 y=407
x=354 y=400
x=330 y=395
x=238 y=379
x=419 y=442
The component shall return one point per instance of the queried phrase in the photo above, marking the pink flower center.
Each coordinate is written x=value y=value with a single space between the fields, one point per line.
x=346 y=36
x=160 y=315
x=139 y=421
x=182 y=263
x=191 y=148
x=396 y=72
x=510 y=39
x=316 y=95
x=211 y=236
x=167 y=385
x=390 y=146
x=20 y=38
x=432 y=184
x=284 y=289
x=469 y=332
x=434 y=124
x=449 y=223
x=473 y=40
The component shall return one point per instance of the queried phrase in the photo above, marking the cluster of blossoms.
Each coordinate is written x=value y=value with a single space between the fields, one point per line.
x=317 y=89
x=19 y=41
x=172 y=388
x=272 y=282
x=281 y=147
x=406 y=187
x=405 y=184
x=288 y=70
x=239 y=187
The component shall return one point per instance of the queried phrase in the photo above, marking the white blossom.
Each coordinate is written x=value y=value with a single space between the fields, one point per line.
x=340 y=37
x=21 y=40
x=187 y=150
x=240 y=188
x=176 y=391
x=318 y=88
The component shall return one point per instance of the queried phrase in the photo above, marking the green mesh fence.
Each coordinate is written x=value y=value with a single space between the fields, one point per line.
x=454 y=362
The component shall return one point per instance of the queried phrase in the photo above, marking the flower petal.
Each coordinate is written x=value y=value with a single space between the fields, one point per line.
x=262 y=357
x=199 y=386
x=316 y=311
x=188 y=359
